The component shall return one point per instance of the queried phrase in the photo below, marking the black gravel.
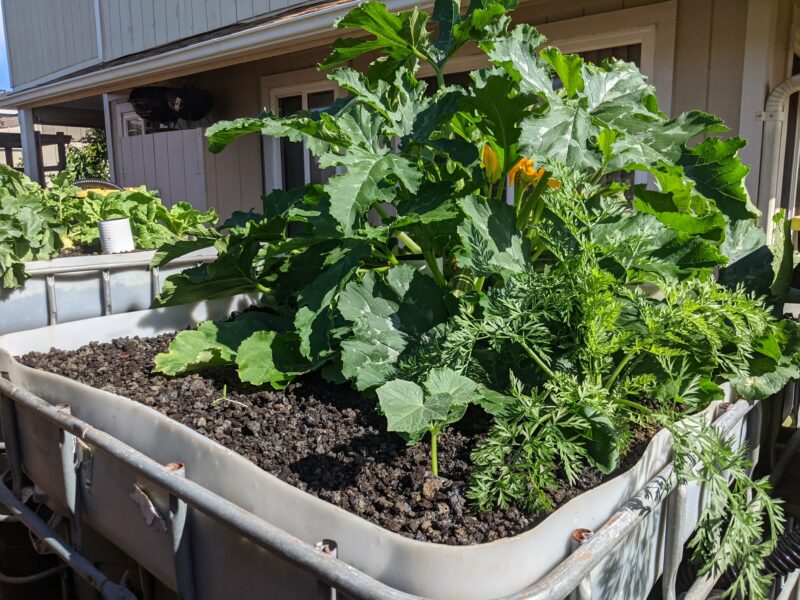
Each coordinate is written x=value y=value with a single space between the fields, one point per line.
x=321 y=438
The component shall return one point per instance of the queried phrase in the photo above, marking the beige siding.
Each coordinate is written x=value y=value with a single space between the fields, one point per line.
x=538 y=12
x=234 y=177
x=709 y=57
x=47 y=37
x=130 y=26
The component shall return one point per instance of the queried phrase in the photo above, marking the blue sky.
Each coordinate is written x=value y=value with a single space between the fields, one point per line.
x=4 y=78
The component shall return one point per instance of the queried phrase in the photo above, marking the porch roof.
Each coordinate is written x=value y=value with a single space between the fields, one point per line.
x=269 y=36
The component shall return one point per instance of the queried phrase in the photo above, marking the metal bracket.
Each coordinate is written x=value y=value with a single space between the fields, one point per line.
x=328 y=548
x=106 y=281
x=52 y=306
x=150 y=513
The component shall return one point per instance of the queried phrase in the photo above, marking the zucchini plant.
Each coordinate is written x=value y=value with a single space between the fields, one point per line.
x=570 y=306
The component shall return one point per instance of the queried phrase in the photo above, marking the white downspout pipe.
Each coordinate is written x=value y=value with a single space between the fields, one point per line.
x=774 y=117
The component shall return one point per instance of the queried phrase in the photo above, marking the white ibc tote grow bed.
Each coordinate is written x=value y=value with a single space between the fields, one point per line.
x=209 y=524
x=81 y=287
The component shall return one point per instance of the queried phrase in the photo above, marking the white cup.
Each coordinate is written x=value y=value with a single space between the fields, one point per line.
x=116 y=236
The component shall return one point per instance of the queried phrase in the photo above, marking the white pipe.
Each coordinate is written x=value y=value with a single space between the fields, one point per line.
x=774 y=117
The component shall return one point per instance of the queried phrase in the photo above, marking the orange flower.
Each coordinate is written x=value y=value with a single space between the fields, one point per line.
x=524 y=172
x=490 y=164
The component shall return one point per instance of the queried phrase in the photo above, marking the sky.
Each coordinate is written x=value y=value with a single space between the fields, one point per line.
x=5 y=82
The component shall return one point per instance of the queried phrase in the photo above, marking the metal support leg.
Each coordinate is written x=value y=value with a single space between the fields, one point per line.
x=8 y=421
x=673 y=545
x=328 y=548
x=52 y=305
x=584 y=589
x=69 y=469
x=106 y=280
x=155 y=283
x=79 y=563
x=181 y=541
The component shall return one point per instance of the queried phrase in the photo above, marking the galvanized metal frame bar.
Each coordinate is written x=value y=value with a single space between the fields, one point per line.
x=558 y=584
x=8 y=424
x=105 y=277
x=181 y=542
x=104 y=262
x=69 y=469
x=76 y=561
x=52 y=306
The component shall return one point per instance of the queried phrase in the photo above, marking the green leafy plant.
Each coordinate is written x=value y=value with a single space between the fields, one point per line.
x=413 y=410
x=577 y=311
x=37 y=222
x=90 y=159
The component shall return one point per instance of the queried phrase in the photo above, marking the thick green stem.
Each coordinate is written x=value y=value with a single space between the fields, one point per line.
x=430 y=260
x=635 y=405
x=434 y=452
x=440 y=78
x=618 y=370
x=479 y=281
x=392 y=258
x=263 y=289
x=501 y=187
x=535 y=358
x=401 y=235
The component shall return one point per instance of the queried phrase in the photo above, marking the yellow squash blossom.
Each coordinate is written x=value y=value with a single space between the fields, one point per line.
x=491 y=164
x=524 y=173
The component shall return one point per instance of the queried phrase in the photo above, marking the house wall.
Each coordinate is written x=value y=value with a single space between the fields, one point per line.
x=130 y=26
x=703 y=55
x=48 y=38
x=698 y=50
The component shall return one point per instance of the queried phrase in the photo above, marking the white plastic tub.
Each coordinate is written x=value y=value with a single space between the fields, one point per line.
x=81 y=287
x=226 y=565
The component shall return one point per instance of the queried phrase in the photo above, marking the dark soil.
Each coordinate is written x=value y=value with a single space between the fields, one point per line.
x=324 y=439
x=77 y=251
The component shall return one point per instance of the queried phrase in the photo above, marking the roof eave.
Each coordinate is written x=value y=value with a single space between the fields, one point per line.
x=271 y=38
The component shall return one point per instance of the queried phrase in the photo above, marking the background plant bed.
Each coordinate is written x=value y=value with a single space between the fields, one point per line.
x=326 y=440
x=228 y=565
x=78 y=292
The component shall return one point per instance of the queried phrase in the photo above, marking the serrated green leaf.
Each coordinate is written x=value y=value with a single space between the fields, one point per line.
x=386 y=313
x=353 y=193
x=568 y=67
x=213 y=343
x=516 y=54
x=317 y=301
x=270 y=357
x=490 y=240
x=715 y=167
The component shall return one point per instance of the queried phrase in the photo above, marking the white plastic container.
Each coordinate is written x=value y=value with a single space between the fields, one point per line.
x=81 y=287
x=116 y=236
x=227 y=565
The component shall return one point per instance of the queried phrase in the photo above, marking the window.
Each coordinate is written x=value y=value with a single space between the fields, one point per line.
x=298 y=165
x=290 y=164
x=132 y=124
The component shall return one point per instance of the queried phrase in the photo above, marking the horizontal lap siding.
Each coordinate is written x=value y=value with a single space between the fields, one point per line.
x=46 y=37
x=131 y=26
x=538 y=12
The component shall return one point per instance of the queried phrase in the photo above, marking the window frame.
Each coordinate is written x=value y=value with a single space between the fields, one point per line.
x=309 y=82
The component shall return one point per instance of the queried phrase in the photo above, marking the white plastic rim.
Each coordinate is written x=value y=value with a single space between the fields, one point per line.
x=228 y=566
x=116 y=236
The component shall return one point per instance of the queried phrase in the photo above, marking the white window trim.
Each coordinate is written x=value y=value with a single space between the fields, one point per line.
x=273 y=88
